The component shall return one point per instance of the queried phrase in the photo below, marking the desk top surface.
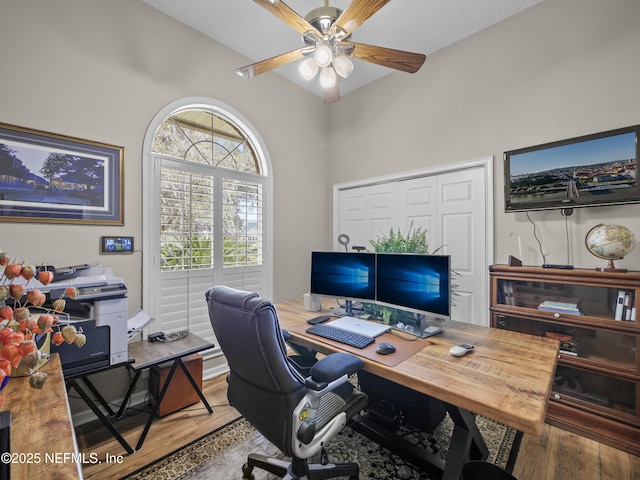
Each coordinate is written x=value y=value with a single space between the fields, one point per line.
x=147 y=353
x=41 y=427
x=507 y=378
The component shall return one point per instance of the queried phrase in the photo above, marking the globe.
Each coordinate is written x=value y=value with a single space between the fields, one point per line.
x=610 y=242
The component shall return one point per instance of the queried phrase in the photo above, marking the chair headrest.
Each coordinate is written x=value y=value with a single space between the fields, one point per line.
x=230 y=296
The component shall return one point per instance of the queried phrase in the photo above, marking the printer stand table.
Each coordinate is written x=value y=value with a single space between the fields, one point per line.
x=148 y=354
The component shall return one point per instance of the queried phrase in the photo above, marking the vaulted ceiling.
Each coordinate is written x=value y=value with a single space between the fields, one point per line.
x=421 y=26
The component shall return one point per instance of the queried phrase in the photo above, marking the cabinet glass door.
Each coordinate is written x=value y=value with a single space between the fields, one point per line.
x=609 y=395
x=600 y=347
x=603 y=302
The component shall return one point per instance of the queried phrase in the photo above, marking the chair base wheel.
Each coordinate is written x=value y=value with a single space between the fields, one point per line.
x=247 y=472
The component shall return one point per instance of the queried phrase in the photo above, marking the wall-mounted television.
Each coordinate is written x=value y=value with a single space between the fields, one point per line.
x=591 y=170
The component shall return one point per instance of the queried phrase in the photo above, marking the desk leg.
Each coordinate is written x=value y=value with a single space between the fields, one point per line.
x=177 y=362
x=194 y=385
x=466 y=442
x=132 y=385
x=98 y=396
x=156 y=405
x=72 y=383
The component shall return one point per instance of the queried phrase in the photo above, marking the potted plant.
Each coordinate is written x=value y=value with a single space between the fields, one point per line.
x=414 y=240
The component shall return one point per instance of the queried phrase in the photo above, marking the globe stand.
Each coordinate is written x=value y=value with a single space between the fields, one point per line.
x=612 y=268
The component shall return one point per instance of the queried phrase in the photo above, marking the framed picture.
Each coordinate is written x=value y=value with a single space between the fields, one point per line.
x=45 y=177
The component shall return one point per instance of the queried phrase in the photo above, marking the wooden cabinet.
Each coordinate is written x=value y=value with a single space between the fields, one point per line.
x=592 y=314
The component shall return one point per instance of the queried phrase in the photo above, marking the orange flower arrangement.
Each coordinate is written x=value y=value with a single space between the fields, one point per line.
x=19 y=326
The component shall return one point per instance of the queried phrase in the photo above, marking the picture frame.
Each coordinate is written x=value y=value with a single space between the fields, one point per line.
x=52 y=178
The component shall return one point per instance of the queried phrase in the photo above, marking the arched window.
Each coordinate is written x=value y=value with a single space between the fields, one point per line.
x=209 y=211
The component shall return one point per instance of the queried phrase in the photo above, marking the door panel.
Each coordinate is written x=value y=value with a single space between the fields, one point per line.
x=417 y=206
x=451 y=206
x=368 y=212
x=462 y=221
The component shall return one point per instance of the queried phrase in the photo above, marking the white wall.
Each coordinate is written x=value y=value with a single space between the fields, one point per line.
x=100 y=70
x=560 y=69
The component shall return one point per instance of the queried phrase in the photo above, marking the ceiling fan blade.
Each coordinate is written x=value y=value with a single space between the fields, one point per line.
x=250 y=71
x=387 y=57
x=331 y=95
x=287 y=15
x=356 y=14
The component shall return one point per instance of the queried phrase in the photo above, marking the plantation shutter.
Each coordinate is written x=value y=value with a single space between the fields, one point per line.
x=211 y=232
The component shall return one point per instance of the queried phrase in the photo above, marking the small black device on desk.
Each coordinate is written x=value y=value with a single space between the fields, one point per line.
x=317 y=320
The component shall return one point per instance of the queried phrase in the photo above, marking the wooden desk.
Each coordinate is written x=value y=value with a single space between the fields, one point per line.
x=507 y=378
x=41 y=427
x=148 y=354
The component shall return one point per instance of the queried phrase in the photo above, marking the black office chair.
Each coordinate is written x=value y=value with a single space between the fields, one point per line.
x=297 y=415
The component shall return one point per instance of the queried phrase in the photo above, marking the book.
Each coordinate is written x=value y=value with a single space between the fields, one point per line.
x=617 y=315
x=560 y=307
x=625 y=306
x=628 y=305
x=559 y=310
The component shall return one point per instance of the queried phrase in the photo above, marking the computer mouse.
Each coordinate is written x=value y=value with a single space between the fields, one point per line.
x=385 y=348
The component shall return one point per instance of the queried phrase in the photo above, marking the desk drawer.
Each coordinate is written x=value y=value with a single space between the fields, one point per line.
x=180 y=393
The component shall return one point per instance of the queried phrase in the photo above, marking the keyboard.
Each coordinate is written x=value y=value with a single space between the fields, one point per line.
x=337 y=334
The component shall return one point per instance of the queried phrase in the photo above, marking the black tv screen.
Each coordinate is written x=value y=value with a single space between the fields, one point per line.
x=597 y=169
x=343 y=275
x=415 y=282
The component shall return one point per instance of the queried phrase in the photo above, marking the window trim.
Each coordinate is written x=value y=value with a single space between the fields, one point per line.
x=151 y=210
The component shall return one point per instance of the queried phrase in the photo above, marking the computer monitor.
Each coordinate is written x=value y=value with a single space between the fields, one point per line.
x=415 y=282
x=350 y=276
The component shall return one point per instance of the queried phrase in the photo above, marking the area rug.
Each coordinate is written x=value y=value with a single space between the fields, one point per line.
x=221 y=454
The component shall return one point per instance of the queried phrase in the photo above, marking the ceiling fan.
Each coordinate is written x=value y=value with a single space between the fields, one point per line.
x=326 y=32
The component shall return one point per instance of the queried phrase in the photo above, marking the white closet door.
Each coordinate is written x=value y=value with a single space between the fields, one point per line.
x=452 y=207
x=418 y=206
x=462 y=228
x=367 y=212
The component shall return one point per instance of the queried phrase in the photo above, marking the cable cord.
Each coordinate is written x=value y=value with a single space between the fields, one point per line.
x=566 y=231
x=535 y=235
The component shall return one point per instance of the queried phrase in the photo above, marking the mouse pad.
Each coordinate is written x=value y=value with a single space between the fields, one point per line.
x=405 y=345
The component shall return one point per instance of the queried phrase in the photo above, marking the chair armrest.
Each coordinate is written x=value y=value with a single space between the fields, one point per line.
x=331 y=368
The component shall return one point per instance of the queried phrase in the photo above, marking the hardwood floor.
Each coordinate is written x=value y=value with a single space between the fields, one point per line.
x=555 y=455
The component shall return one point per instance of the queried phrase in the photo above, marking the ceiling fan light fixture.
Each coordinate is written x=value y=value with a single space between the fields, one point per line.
x=343 y=65
x=308 y=68
x=326 y=33
x=324 y=56
x=328 y=78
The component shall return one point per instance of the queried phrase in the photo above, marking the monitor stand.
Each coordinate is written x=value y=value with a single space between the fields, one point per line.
x=348 y=308
x=347 y=311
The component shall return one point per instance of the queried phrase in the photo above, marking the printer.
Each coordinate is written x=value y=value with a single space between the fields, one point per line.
x=100 y=310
